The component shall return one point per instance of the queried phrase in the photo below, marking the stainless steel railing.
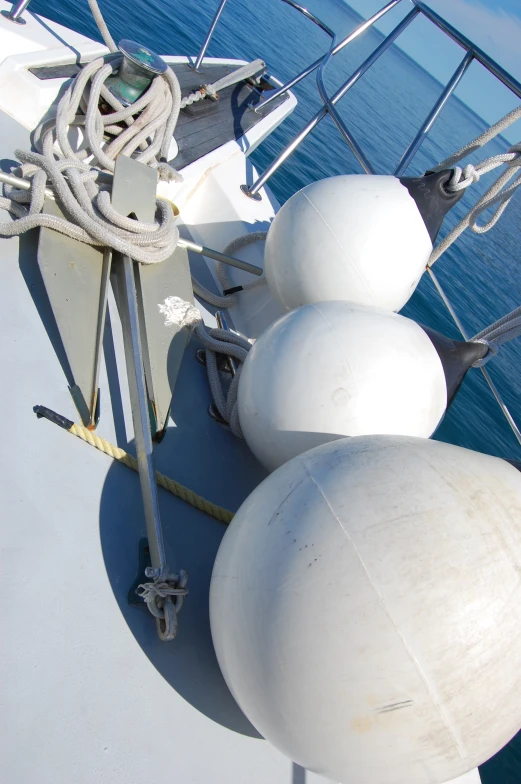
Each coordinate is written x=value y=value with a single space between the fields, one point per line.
x=254 y=189
x=472 y=52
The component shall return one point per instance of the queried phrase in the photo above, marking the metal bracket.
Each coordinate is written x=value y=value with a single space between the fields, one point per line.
x=15 y=14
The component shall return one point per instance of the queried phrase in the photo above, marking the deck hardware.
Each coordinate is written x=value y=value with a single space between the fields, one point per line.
x=213 y=413
x=222 y=363
x=138 y=68
x=215 y=254
x=222 y=324
x=15 y=14
x=225 y=364
x=209 y=34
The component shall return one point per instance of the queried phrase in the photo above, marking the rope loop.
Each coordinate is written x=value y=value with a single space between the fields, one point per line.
x=492 y=351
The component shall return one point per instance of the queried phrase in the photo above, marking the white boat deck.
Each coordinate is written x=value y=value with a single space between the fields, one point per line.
x=89 y=693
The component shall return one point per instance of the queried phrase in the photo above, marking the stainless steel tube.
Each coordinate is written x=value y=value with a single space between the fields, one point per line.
x=431 y=118
x=351 y=142
x=15 y=14
x=467 y=44
x=124 y=267
x=351 y=37
x=209 y=34
x=215 y=254
x=23 y=185
x=253 y=190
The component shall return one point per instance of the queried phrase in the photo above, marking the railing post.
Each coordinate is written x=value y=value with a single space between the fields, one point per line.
x=209 y=34
x=433 y=115
x=15 y=14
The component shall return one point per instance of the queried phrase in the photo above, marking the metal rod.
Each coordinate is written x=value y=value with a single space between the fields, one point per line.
x=284 y=155
x=508 y=416
x=447 y=303
x=351 y=37
x=23 y=185
x=127 y=301
x=214 y=254
x=310 y=16
x=351 y=142
x=15 y=14
x=209 y=34
x=433 y=115
x=222 y=324
x=467 y=44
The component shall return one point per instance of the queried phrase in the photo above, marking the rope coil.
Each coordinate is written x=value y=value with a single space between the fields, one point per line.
x=82 y=189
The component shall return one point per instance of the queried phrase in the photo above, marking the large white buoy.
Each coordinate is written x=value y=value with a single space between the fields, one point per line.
x=366 y=609
x=338 y=369
x=363 y=238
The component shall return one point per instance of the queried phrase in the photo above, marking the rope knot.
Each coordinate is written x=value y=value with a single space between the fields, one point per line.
x=462 y=178
x=164 y=598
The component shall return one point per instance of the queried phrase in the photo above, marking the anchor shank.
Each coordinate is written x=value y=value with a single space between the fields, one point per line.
x=127 y=300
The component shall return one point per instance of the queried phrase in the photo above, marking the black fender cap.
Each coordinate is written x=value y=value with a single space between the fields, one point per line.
x=431 y=198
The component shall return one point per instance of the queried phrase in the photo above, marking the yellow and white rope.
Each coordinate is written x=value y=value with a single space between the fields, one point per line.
x=177 y=489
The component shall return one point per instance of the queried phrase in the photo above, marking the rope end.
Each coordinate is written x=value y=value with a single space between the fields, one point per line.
x=42 y=412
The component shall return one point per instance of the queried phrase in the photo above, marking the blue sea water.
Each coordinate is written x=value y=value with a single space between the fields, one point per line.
x=480 y=273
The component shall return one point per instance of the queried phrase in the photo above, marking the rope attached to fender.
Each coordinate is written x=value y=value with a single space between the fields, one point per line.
x=506 y=328
x=499 y=192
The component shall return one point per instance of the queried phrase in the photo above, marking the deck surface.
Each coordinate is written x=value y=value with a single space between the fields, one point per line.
x=92 y=693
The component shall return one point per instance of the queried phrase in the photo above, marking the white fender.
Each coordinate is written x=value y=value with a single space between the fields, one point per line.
x=366 y=609
x=336 y=369
x=355 y=237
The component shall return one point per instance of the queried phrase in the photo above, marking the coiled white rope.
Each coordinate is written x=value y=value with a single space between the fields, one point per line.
x=81 y=189
x=498 y=194
x=223 y=341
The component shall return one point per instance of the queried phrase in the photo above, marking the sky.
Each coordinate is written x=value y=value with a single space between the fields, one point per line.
x=493 y=25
